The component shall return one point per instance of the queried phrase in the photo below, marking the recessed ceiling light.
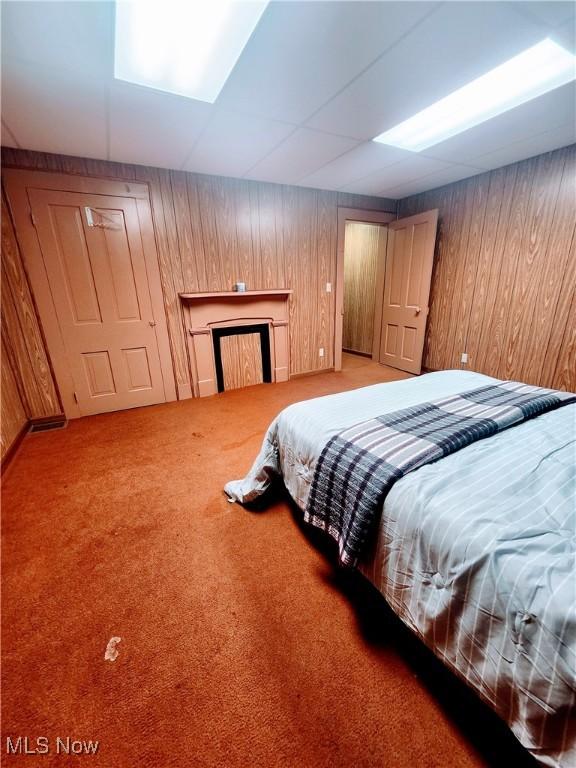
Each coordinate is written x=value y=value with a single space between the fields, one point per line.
x=186 y=47
x=533 y=72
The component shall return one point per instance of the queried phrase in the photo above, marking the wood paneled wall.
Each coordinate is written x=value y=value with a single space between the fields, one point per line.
x=12 y=414
x=28 y=389
x=213 y=231
x=503 y=287
x=241 y=360
x=360 y=270
x=504 y=282
x=21 y=330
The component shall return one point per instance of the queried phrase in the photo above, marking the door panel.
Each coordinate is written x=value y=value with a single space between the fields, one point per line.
x=137 y=368
x=99 y=373
x=409 y=257
x=75 y=264
x=409 y=342
x=92 y=251
x=119 y=266
x=390 y=338
x=395 y=271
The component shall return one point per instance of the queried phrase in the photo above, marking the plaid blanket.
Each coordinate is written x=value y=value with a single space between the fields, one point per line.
x=358 y=467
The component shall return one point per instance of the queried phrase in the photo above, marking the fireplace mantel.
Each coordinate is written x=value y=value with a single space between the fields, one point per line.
x=234 y=294
x=206 y=311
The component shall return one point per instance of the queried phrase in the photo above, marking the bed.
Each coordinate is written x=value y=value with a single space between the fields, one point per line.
x=475 y=553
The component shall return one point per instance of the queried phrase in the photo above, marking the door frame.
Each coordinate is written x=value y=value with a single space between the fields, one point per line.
x=366 y=217
x=16 y=184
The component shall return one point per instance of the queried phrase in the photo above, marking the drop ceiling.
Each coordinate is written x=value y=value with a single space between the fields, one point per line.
x=315 y=83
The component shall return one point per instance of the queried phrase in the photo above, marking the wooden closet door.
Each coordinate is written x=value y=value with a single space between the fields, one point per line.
x=409 y=258
x=94 y=260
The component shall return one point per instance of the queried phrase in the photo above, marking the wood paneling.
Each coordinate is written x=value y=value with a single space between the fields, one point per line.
x=504 y=283
x=241 y=360
x=23 y=344
x=12 y=414
x=213 y=231
x=360 y=270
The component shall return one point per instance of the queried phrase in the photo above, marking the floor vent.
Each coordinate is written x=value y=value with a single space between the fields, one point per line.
x=44 y=426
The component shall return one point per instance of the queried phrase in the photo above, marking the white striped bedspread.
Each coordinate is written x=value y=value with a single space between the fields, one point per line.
x=475 y=553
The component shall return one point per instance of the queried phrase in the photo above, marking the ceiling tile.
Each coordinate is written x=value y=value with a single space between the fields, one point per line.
x=406 y=170
x=455 y=44
x=565 y=35
x=535 y=145
x=231 y=143
x=549 y=12
x=302 y=53
x=434 y=180
x=60 y=95
x=359 y=162
x=299 y=154
x=153 y=128
x=69 y=119
x=545 y=113
x=73 y=37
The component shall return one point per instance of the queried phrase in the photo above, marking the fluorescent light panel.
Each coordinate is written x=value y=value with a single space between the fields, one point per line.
x=186 y=47
x=533 y=72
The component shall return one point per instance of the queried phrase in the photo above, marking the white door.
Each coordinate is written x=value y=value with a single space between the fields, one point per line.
x=92 y=250
x=409 y=258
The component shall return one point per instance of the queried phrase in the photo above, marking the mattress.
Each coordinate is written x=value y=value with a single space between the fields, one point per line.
x=475 y=553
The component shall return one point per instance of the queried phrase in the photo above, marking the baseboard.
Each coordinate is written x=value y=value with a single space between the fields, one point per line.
x=311 y=373
x=44 y=422
x=11 y=452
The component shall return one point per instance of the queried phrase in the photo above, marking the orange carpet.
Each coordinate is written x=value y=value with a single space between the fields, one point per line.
x=241 y=644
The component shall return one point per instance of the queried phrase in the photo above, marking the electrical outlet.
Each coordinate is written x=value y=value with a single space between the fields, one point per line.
x=328 y=287
x=464 y=357
x=321 y=351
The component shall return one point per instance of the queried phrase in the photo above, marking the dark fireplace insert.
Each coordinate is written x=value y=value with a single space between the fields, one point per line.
x=234 y=330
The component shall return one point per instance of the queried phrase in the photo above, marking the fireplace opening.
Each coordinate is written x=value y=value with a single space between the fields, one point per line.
x=259 y=328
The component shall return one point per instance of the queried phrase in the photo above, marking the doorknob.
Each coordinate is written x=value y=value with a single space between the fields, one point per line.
x=417 y=310
x=151 y=323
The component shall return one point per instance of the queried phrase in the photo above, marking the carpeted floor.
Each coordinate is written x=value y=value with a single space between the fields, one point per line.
x=241 y=644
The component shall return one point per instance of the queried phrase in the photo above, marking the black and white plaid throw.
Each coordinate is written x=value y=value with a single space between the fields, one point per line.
x=358 y=467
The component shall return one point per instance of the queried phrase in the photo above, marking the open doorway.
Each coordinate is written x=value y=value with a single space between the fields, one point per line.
x=362 y=239
x=364 y=254
x=383 y=275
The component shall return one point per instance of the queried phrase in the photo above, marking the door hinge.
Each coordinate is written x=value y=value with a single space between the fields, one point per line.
x=75 y=397
x=33 y=219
